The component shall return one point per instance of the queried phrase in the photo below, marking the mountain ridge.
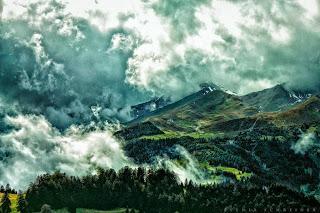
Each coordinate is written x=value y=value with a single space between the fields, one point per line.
x=211 y=106
x=224 y=131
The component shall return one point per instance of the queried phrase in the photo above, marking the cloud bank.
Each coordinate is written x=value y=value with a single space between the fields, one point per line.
x=34 y=147
x=190 y=171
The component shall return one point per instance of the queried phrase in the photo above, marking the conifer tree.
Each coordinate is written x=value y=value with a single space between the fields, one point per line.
x=5 y=203
x=22 y=204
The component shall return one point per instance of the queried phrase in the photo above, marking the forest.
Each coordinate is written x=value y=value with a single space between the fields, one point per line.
x=271 y=186
x=156 y=190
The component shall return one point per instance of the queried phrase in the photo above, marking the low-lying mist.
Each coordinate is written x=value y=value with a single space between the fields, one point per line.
x=35 y=147
x=188 y=170
x=305 y=143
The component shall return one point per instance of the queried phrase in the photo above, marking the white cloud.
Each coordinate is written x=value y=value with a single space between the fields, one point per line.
x=311 y=7
x=35 y=147
x=228 y=14
x=306 y=142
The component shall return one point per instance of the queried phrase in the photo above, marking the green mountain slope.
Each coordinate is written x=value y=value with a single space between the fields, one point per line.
x=215 y=111
x=305 y=113
x=222 y=130
x=199 y=111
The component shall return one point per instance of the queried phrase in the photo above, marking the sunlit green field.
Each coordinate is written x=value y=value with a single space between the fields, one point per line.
x=240 y=175
x=176 y=134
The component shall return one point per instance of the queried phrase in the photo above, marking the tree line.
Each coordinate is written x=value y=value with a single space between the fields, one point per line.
x=157 y=191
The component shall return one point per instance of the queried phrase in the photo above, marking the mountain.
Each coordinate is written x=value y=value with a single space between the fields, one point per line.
x=213 y=109
x=271 y=136
x=159 y=105
x=199 y=110
x=276 y=98
x=305 y=113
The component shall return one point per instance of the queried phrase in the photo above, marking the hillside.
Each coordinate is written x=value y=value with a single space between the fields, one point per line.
x=155 y=191
x=199 y=111
x=305 y=113
x=213 y=110
x=276 y=98
x=223 y=130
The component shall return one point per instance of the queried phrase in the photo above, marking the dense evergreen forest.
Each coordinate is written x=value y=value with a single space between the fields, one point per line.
x=251 y=151
x=158 y=191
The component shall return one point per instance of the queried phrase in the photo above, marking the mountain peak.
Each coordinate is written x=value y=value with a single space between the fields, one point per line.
x=276 y=98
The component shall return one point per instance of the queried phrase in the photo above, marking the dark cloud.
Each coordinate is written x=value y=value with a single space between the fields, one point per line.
x=63 y=66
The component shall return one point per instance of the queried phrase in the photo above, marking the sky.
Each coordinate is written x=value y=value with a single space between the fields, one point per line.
x=70 y=64
x=124 y=52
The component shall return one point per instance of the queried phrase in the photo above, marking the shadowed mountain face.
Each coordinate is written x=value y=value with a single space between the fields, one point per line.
x=303 y=113
x=276 y=98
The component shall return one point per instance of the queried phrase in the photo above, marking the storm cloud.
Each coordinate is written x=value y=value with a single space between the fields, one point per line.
x=60 y=66
x=243 y=45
